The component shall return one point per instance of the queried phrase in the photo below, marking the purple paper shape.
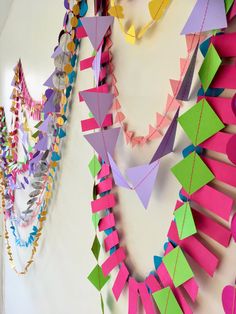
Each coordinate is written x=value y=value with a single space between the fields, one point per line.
x=143 y=179
x=104 y=142
x=44 y=126
x=98 y=103
x=96 y=27
x=57 y=52
x=183 y=93
x=42 y=143
x=206 y=15
x=49 y=105
x=49 y=81
x=96 y=65
x=167 y=144
x=117 y=175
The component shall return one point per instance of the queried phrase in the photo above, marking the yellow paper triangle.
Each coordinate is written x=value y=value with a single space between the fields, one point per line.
x=130 y=35
x=157 y=8
x=116 y=11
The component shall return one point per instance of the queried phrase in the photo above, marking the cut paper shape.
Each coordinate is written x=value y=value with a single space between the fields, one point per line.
x=42 y=144
x=45 y=125
x=143 y=179
x=184 y=221
x=112 y=261
x=167 y=144
x=233 y=227
x=130 y=35
x=184 y=91
x=98 y=103
x=96 y=65
x=157 y=8
x=133 y=296
x=94 y=166
x=146 y=299
x=166 y=301
x=177 y=266
x=49 y=105
x=228 y=5
x=117 y=175
x=96 y=27
x=104 y=142
x=192 y=173
x=116 y=11
x=97 y=278
x=120 y=281
x=209 y=67
x=96 y=247
x=206 y=16
x=229 y=299
x=200 y=122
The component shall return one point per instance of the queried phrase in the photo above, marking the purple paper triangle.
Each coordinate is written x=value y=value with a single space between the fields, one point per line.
x=57 y=52
x=117 y=175
x=104 y=142
x=96 y=27
x=44 y=126
x=143 y=179
x=42 y=144
x=49 y=81
x=167 y=144
x=49 y=105
x=206 y=16
x=96 y=65
x=183 y=93
x=98 y=103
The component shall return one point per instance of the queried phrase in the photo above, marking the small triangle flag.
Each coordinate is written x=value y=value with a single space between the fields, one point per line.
x=174 y=86
x=162 y=121
x=172 y=104
x=117 y=175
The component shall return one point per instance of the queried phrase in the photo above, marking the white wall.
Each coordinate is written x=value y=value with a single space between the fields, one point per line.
x=56 y=283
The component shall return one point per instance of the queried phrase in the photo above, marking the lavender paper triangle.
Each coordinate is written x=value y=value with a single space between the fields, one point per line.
x=42 y=144
x=117 y=175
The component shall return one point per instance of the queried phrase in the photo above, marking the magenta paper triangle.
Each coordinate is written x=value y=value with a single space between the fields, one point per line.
x=96 y=27
x=206 y=16
x=98 y=103
x=104 y=142
x=167 y=144
x=143 y=179
x=117 y=175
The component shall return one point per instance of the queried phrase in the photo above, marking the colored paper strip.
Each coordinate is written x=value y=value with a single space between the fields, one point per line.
x=105 y=202
x=106 y=222
x=120 y=281
x=146 y=299
x=112 y=261
x=111 y=240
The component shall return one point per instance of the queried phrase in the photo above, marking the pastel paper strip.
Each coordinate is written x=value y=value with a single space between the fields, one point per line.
x=213 y=200
x=88 y=62
x=106 y=222
x=146 y=299
x=105 y=202
x=112 y=261
x=120 y=281
x=225 y=44
x=133 y=296
x=91 y=124
x=111 y=240
x=100 y=89
x=152 y=283
x=104 y=186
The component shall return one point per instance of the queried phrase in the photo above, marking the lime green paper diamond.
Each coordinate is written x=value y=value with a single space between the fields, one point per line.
x=228 y=5
x=192 y=173
x=97 y=278
x=177 y=267
x=200 y=122
x=96 y=247
x=95 y=220
x=166 y=301
x=184 y=221
x=94 y=166
x=209 y=67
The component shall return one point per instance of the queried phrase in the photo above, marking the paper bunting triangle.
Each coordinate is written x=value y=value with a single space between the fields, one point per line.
x=167 y=144
x=96 y=65
x=42 y=144
x=49 y=81
x=206 y=16
x=96 y=27
x=44 y=126
x=57 y=52
x=172 y=104
x=104 y=142
x=49 y=105
x=162 y=121
x=174 y=86
x=98 y=103
x=130 y=35
x=117 y=175
x=153 y=133
x=143 y=179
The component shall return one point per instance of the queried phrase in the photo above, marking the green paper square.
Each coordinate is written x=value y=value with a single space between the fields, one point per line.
x=94 y=166
x=97 y=278
x=166 y=301
x=192 y=173
x=200 y=122
x=209 y=67
x=184 y=221
x=177 y=266
x=96 y=247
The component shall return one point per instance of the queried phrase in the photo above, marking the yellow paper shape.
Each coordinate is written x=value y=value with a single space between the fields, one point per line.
x=144 y=29
x=157 y=8
x=116 y=11
x=130 y=35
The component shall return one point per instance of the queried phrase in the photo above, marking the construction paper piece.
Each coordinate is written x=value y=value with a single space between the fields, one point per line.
x=192 y=173
x=162 y=121
x=213 y=200
x=117 y=175
x=44 y=126
x=133 y=296
x=49 y=81
x=96 y=27
x=112 y=261
x=230 y=149
x=104 y=142
x=104 y=186
x=146 y=299
x=157 y=8
x=111 y=240
x=96 y=65
x=95 y=220
x=143 y=179
x=167 y=144
x=166 y=301
x=157 y=261
x=98 y=103
x=107 y=222
x=177 y=266
x=88 y=62
x=206 y=16
x=105 y=202
x=96 y=247
x=225 y=77
x=232 y=12
x=80 y=32
x=209 y=67
x=225 y=44
x=130 y=35
x=233 y=227
x=42 y=144
x=184 y=221
x=49 y=105
x=218 y=142
x=97 y=278
x=184 y=90
x=152 y=283
x=105 y=171
x=116 y=11
x=100 y=89
x=200 y=122
x=94 y=166
x=229 y=299
x=223 y=172
x=91 y=124
x=195 y=249
x=57 y=52
x=120 y=281
x=172 y=104
x=174 y=85
x=228 y=5
x=191 y=287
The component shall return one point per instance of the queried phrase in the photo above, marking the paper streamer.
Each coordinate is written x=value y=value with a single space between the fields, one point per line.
x=106 y=222
x=120 y=281
x=112 y=261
